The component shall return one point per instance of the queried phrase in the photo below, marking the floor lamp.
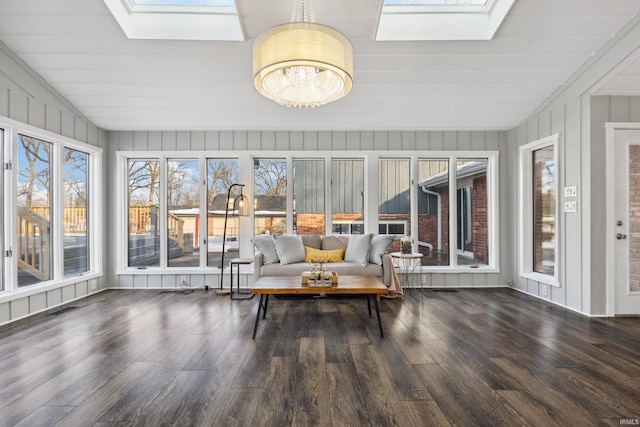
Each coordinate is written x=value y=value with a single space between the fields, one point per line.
x=242 y=204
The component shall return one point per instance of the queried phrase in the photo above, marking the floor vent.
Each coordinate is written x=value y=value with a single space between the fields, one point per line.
x=184 y=292
x=59 y=312
x=444 y=290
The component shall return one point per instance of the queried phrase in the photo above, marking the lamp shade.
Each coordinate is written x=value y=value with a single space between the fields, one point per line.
x=302 y=64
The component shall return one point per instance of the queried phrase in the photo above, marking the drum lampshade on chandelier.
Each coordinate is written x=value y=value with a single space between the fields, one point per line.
x=302 y=64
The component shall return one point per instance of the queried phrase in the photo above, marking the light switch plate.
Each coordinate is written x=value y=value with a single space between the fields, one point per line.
x=570 y=191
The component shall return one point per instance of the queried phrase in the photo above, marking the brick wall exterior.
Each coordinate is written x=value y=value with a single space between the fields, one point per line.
x=479 y=220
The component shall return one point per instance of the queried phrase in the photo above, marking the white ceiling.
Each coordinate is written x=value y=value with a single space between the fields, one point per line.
x=121 y=84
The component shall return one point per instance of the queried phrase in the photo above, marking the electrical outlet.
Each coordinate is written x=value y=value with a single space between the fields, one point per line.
x=423 y=278
x=183 y=279
x=93 y=286
x=545 y=290
x=570 y=206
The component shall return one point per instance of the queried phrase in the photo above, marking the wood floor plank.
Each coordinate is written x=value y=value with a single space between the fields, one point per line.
x=346 y=396
x=383 y=405
x=562 y=407
x=275 y=407
x=311 y=404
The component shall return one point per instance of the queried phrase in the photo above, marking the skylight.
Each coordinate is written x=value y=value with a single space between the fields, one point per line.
x=178 y=19
x=441 y=19
x=184 y=2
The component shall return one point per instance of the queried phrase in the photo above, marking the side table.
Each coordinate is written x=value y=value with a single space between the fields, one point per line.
x=238 y=262
x=406 y=265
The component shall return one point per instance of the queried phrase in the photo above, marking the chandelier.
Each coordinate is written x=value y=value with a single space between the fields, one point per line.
x=302 y=64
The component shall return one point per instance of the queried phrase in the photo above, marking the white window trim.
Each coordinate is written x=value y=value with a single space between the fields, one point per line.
x=95 y=237
x=525 y=211
x=370 y=159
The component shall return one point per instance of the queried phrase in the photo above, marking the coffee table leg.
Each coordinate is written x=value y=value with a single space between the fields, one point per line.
x=255 y=326
x=377 y=307
x=266 y=301
x=369 y=304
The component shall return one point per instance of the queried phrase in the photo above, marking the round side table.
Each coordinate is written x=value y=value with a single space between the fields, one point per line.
x=405 y=265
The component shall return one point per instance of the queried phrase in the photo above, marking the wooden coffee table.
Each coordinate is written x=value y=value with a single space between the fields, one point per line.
x=291 y=285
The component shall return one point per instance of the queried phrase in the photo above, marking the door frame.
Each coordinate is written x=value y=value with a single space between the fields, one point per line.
x=611 y=128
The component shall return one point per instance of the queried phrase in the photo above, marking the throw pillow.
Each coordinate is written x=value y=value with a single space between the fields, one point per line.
x=267 y=246
x=358 y=249
x=290 y=249
x=312 y=240
x=334 y=255
x=332 y=242
x=379 y=246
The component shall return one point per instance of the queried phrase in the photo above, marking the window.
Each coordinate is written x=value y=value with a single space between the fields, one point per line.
x=270 y=193
x=34 y=211
x=394 y=198
x=441 y=19
x=308 y=196
x=144 y=213
x=451 y=213
x=183 y=213
x=177 y=19
x=347 y=196
x=2 y=221
x=75 y=213
x=539 y=199
x=221 y=174
x=48 y=213
x=396 y=228
x=472 y=219
x=433 y=211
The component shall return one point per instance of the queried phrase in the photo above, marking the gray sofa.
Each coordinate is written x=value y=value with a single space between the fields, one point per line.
x=344 y=267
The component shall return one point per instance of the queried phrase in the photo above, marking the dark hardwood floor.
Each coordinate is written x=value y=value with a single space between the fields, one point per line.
x=468 y=358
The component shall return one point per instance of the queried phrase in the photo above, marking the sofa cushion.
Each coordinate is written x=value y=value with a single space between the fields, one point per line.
x=290 y=249
x=312 y=240
x=332 y=242
x=334 y=255
x=358 y=249
x=379 y=246
x=267 y=246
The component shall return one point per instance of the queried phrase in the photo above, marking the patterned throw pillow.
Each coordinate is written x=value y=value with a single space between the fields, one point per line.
x=379 y=246
x=334 y=255
x=267 y=246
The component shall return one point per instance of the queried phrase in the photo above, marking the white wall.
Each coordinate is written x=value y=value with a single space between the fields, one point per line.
x=324 y=141
x=25 y=97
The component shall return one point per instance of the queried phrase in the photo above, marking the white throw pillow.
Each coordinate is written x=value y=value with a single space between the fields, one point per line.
x=290 y=249
x=358 y=249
